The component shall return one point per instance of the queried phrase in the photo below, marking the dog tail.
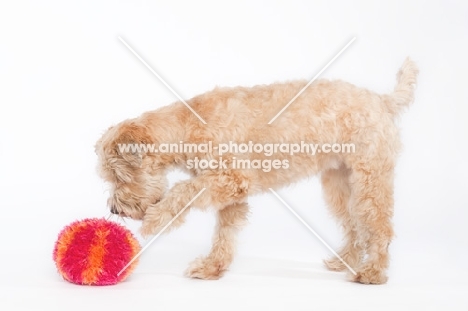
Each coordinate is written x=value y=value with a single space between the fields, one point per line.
x=403 y=94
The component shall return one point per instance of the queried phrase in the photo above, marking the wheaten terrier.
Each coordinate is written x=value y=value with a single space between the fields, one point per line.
x=358 y=186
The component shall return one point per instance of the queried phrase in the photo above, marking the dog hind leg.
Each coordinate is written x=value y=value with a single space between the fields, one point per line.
x=372 y=208
x=337 y=191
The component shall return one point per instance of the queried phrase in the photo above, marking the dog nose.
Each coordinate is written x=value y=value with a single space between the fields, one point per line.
x=114 y=210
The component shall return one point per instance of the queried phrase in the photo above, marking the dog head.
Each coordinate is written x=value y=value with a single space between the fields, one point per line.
x=136 y=175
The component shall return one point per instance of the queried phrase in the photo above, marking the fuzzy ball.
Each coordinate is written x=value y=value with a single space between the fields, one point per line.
x=93 y=252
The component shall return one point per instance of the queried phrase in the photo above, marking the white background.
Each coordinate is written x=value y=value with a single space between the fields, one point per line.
x=65 y=77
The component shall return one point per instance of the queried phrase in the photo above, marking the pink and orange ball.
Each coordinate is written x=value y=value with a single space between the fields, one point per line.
x=93 y=251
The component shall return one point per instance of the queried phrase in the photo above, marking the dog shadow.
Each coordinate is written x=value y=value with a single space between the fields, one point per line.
x=283 y=268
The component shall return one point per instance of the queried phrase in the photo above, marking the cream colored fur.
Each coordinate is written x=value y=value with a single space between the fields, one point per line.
x=358 y=186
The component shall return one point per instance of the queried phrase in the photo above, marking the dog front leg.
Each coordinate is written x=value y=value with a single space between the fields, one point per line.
x=158 y=215
x=218 y=189
x=230 y=220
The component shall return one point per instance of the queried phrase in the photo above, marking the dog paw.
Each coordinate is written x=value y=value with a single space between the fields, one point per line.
x=369 y=276
x=154 y=223
x=145 y=231
x=334 y=264
x=148 y=228
x=206 y=269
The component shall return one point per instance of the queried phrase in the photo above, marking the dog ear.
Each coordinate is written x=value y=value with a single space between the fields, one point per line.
x=133 y=158
x=131 y=143
x=122 y=171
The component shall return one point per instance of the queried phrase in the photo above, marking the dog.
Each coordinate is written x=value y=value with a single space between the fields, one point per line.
x=357 y=186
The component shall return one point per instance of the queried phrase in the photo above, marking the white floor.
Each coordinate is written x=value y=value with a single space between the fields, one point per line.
x=30 y=282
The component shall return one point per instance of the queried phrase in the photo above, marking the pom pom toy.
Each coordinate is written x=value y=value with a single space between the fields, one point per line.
x=94 y=251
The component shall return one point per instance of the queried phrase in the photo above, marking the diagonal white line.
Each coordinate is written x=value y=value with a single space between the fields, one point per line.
x=160 y=232
x=313 y=231
x=161 y=79
x=313 y=79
